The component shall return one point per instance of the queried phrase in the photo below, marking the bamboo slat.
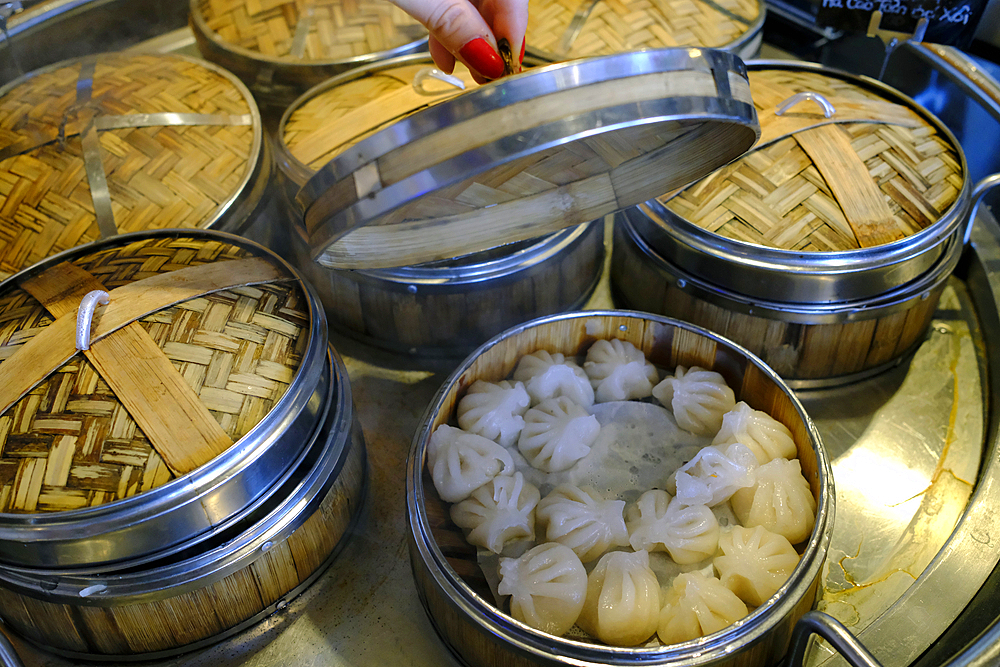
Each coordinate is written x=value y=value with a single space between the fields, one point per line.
x=788 y=194
x=70 y=442
x=180 y=176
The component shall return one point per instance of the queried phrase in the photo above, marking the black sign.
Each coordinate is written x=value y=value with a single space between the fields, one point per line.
x=948 y=21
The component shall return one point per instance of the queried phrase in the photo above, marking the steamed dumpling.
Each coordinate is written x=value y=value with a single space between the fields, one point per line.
x=557 y=433
x=696 y=606
x=698 y=398
x=622 y=607
x=766 y=437
x=619 y=371
x=546 y=375
x=657 y=523
x=780 y=501
x=754 y=563
x=582 y=520
x=461 y=462
x=715 y=474
x=547 y=585
x=494 y=410
x=497 y=512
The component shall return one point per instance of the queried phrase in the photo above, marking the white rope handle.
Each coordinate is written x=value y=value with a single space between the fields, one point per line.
x=85 y=316
x=434 y=73
x=824 y=103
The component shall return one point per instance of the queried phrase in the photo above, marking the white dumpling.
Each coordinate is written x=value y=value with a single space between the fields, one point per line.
x=695 y=606
x=547 y=585
x=494 y=411
x=622 y=607
x=461 y=462
x=766 y=437
x=497 y=512
x=780 y=500
x=619 y=371
x=715 y=474
x=754 y=563
x=557 y=433
x=582 y=520
x=698 y=398
x=546 y=375
x=658 y=523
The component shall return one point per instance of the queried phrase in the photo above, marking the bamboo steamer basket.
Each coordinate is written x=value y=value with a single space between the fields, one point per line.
x=117 y=143
x=824 y=249
x=454 y=591
x=281 y=49
x=444 y=308
x=147 y=609
x=203 y=380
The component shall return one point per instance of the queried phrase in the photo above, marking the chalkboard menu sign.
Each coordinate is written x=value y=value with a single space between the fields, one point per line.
x=948 y=21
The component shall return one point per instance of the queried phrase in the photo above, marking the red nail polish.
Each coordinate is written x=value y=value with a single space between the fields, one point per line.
x=520 y=58
x=480 y=56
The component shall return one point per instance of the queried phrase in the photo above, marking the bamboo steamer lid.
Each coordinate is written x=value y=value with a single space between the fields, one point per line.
x=119 y=143
x=524 y=156
x=565 y=29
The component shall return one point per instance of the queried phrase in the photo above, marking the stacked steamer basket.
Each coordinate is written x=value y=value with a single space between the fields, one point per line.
x=126 y=142
x=445 y=307
x=189 y=467
x=280 y=49
x=522 y=166
x=825 y=249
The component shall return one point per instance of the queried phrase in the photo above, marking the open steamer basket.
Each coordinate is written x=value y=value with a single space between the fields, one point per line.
x=825 y=249
x=126 y=142
x=449 y=580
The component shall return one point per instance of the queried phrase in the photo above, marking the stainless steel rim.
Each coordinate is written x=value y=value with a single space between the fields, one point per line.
x=525 y=640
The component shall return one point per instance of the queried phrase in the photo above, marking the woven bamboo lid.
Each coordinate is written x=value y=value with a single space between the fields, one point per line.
x=564 y=29
x=875 y=172
x=119 y=143
x=225 y=331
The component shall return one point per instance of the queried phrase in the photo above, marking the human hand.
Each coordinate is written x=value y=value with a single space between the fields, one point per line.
x=468 y=31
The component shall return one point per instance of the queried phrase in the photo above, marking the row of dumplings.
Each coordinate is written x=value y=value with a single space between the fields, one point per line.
x=545 y=412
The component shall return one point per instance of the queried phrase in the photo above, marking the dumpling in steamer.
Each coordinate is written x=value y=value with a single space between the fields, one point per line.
x=698 y=398
x=582 y=520
x=497 y=512
x=461 y=462
x=766 y=437
x=754 y=563
x=696 y=606
x=658 y=523
x=780 y=501
x=557 y=433
x=494 y=411
x=547 y=585
x=546 y=375
x=622 y=607
x=619 y=371
x=715 y=474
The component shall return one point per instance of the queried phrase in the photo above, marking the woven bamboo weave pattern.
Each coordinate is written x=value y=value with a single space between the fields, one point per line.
x=614 y=26
x=69 y=443
x=775 y=196
x=158 y=177
x=337 y=29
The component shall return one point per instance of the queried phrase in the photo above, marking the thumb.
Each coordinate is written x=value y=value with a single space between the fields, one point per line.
x=459 y=27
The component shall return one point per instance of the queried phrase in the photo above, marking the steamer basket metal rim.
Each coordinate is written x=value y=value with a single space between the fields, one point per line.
x=538 y=644
x=295 y=409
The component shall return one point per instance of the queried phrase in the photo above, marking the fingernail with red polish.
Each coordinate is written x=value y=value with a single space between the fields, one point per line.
x=520 y=58
x=480 y=56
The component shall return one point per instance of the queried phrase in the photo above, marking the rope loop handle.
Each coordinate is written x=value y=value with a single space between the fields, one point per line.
x=824 y=103
x=85 y=316
x=435 y=73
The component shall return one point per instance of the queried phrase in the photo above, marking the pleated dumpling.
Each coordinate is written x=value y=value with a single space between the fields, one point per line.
x=499 y=511
x=547 y=587
x=754 y=563
x=715 y=474
x=658 y=523
x=461 y=462
x=582 y=520
x=494 y=410
x=698 y=398
x=550 y=375
x=557 y=433
x=619 y=371
x=622 y=607
x=780 y=501
x=766 y=437
x=695 y=606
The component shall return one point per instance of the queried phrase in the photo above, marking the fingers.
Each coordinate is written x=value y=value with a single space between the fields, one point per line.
x=460 y=29
x=442 y=56
x=509 y=18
